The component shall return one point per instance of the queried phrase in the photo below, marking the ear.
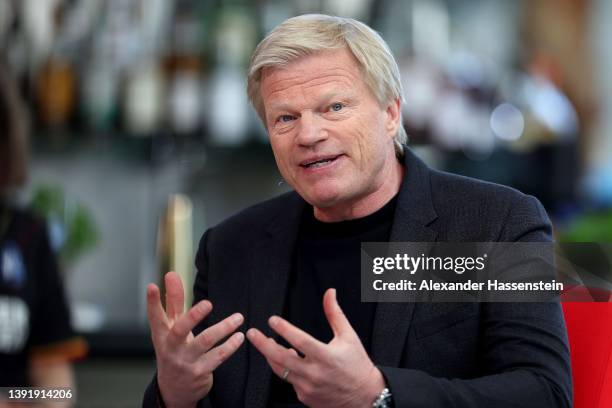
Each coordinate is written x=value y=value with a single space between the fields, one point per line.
x=392 y=113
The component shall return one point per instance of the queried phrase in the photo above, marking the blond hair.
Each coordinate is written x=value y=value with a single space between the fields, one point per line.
x=307 y=34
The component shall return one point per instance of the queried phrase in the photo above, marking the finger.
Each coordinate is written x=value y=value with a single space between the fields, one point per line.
x=215 y=333
x=279 y=369
x=155 y=312
x=291 y=376
x=275 y=354
x=299 y=339
x=184 y=324
x=216 y=356
x=334 y=314
x=175 y=295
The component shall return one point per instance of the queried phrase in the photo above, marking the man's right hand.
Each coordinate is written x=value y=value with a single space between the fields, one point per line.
x=185 y=363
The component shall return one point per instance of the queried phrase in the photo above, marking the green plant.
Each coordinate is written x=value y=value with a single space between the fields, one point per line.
x=72 y=223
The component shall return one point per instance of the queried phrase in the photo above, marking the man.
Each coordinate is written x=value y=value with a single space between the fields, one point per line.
x=328 y=91
x=37 y=343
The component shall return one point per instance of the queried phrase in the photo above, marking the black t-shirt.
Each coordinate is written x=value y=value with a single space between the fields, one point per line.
x=33 y=309
x=328 y=256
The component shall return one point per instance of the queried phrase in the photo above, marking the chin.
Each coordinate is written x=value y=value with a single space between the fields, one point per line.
x=328 y=197
x=322 y=202
x=323 y=198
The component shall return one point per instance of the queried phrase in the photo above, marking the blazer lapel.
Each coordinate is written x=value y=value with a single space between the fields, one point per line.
x=270 y=276
x=413 y=214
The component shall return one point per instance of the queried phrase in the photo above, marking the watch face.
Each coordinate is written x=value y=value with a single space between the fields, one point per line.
x=384 y=400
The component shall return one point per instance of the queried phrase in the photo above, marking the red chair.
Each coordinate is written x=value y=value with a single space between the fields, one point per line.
x=589 y=327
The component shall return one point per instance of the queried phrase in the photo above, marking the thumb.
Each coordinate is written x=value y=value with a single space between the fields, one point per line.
x=334 y=314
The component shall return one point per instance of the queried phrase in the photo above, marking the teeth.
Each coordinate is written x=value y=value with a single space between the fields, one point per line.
x=318 y=163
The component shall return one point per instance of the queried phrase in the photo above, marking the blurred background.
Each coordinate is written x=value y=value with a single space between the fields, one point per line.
x=142 y=137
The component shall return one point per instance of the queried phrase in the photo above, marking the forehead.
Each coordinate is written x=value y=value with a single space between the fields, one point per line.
x=337 y=69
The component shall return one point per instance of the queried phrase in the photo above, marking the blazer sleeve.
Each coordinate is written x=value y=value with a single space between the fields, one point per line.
x=524 y=347
x=152 y=396
x=200 y=292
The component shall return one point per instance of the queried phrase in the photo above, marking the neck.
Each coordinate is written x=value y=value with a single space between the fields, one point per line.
x=391 y=183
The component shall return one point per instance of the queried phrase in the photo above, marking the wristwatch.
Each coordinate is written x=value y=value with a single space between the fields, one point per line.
x=384 y=400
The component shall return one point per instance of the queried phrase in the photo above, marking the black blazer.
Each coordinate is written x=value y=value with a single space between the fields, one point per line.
x=432 y=354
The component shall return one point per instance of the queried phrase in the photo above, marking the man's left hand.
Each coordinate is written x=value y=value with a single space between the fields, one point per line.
x=337 y=374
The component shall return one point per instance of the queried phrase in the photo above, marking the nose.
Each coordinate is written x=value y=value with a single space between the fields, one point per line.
x=310 y=130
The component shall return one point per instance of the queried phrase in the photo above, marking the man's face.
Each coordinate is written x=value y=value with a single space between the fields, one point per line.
x=332 y=140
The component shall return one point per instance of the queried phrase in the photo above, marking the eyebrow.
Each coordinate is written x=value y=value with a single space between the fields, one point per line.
x=281 y=106
x=327 y=96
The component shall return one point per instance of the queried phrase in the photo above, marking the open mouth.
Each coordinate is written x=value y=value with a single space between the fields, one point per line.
x=319 y=162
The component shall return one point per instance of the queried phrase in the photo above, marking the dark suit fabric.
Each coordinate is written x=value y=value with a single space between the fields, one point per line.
x=431 y=354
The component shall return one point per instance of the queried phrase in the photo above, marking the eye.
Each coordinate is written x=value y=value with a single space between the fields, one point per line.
x=285 y=118
x=336 y=107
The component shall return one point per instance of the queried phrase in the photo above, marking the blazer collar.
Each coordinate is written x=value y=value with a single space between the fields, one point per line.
x=413 y=215
x=415 y=210
x=270 y=277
